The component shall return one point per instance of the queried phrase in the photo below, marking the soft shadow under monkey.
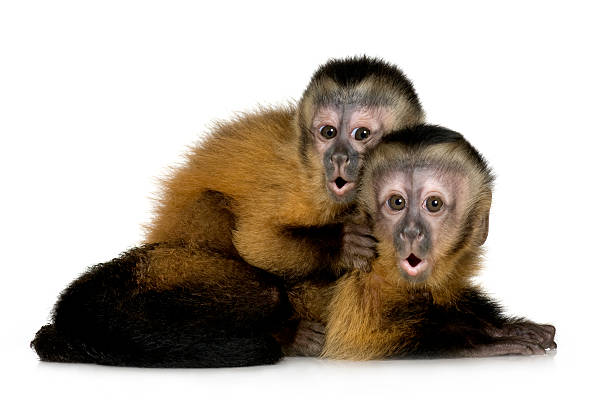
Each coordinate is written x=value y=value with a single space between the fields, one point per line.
x=427 y=192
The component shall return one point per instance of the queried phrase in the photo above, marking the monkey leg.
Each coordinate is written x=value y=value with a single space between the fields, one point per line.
x=129 y=312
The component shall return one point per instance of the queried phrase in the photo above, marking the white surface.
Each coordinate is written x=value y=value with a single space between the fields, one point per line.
x=97 y=99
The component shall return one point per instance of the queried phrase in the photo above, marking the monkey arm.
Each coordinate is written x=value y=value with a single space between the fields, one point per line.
x=474 y=326
x=239 y=228
x=370 y=321
x=296 y=252
x=290 y=251
x=502 y=327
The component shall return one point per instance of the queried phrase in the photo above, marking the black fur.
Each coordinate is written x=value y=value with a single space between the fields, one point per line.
x=348 y=72
x=426 y=135
x=161 y=349
x=326 y=236
x=105 y=317
x=423 y=135
x=445 y=331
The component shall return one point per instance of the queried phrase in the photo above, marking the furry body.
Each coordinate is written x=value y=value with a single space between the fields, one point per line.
x=260 y=204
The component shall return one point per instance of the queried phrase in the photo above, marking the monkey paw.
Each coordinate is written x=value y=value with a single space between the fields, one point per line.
x=308 y=341
x=505 y=346
x=358 y=246
x=541 y=334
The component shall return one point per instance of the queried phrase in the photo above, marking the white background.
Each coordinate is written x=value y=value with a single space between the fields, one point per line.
x=98 y=98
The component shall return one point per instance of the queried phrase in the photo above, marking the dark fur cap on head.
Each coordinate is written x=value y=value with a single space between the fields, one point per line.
x=421 y=136
x=350 y=72
x=361 y=81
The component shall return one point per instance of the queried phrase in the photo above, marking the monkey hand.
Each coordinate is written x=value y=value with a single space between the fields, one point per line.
x=541 y=334
x=358 y=247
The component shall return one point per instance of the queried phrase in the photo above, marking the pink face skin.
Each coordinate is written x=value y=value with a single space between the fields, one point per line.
x=341 y=153
x=414 y=228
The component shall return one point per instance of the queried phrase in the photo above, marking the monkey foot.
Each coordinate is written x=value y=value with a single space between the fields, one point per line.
x=309 y=340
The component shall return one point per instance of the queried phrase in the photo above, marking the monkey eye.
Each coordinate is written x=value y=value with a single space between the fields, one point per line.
x=433 y=204
x=361 y=133
x=328 y=132
x=396 y=202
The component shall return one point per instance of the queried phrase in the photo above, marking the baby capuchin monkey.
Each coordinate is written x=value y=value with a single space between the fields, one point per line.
x=428 y=193
x=259 y=204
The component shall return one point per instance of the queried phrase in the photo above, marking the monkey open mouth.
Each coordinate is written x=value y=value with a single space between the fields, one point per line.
x=413 y=265
x=413 y=260
x=340 y=186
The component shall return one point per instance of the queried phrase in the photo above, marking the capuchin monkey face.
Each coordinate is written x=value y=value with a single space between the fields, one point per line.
x=342 y=134
x=421 y=212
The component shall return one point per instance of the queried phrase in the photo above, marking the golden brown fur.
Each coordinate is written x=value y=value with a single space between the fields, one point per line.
x=254 y=161
x=264 y=165
x=379 y=314
x=261 y=197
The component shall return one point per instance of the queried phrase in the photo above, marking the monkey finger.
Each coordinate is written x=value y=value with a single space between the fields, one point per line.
x=357 y=229
x=312 y=326
x=552 y=347
x=371 y=237
x=504 y=347
x=550 y=331
x=543 y=334
x=367 y=253
x=350 y=233
x=350 y=246
x=546 y=333
x=534 y=347
x=360 y=240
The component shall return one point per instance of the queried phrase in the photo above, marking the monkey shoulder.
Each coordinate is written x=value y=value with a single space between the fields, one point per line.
x=241 y=157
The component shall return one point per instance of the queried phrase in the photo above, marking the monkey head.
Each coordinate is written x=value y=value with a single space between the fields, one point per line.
x=429 y=194
x=347 y=107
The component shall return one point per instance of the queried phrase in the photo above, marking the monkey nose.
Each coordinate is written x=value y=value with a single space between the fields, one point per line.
x=340 y=159
x=412 y=233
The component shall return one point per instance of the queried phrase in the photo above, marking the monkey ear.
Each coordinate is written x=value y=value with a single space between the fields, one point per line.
x=483 y=228
x=483 y=231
